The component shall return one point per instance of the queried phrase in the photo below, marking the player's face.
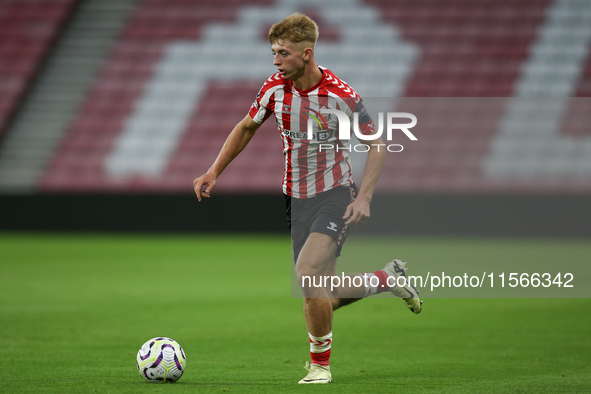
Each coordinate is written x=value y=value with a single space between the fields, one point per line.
x=289 y=60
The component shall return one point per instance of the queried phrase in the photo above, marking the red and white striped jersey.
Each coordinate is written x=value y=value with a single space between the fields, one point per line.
x=319 y=164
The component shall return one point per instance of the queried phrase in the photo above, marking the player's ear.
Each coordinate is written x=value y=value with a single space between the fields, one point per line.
x=308 y=53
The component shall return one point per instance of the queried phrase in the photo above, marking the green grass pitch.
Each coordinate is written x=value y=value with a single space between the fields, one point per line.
x=74 y=310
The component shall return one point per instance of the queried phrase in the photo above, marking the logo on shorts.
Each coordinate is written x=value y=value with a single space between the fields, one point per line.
x=332 y=226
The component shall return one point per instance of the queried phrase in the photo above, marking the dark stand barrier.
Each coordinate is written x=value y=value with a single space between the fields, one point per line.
x=482 y=215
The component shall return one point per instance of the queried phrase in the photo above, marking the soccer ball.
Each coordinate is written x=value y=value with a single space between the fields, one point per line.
x=161 y=360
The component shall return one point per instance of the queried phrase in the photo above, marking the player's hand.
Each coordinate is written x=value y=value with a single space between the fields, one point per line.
x=204 y=185
x=357 y=212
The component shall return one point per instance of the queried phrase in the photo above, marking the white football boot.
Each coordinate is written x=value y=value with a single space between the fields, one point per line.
x=408 y=293
x=316 y=374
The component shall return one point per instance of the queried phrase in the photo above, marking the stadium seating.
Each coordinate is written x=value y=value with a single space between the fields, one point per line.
x=27 y=30
x=148 y=126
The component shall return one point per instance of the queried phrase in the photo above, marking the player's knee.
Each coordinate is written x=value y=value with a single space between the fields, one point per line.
x=309 y=267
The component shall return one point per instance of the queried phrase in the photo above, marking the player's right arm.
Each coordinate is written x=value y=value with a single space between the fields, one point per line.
x=235 y=143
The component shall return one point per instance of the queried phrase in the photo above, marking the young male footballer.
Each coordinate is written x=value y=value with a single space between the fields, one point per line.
x=321 y=198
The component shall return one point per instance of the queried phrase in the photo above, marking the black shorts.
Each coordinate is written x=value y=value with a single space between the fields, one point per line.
x=320 y=214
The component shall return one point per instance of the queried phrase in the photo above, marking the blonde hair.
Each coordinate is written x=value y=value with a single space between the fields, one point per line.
x=295 y=29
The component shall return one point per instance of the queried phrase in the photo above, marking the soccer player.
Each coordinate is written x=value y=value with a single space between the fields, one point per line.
x=321 y=198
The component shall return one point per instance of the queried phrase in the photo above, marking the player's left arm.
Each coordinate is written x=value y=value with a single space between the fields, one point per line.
x=358 y=211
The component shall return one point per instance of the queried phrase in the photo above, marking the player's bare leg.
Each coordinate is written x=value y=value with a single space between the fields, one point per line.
x=315 y=266
x=316 y=257
x=392 y=279
x=318 y=260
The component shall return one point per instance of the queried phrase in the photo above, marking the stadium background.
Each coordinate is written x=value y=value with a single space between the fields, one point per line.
x=109 y=110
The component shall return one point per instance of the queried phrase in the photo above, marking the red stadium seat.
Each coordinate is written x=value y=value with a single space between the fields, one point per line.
x=27 y=30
